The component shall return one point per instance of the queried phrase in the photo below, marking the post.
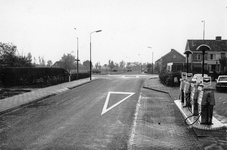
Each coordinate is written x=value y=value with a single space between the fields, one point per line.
x=187 y=63
x=77 y=67
x=203 y=52
x=152 y=64
x=203 y=29
x=90 y=51
x=90 y=57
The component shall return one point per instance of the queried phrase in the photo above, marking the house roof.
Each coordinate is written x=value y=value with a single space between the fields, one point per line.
x=172 y=50
x=215 y=45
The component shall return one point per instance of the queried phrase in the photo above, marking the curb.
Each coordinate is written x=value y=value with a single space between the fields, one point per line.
x=25 y=104
x=158 y=91
x=44 y=97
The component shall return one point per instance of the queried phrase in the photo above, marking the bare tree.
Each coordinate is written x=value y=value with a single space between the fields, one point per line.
x=49 y=63
x=111 y=65
x=122 y=64
x=68 y=61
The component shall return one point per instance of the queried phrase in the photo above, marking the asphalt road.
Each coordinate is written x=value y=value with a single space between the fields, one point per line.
x=98 y=115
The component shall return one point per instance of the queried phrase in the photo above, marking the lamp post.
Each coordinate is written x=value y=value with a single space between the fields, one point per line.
x=152 y=60
x=187 y=53
x=90 y=51
x=77 y=60
x=141 y=63
x=203 y=29
x=203 y=48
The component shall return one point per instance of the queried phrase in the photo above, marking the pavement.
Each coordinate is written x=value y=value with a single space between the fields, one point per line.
x=174 y=93
x=209 y=138
x=17 y=101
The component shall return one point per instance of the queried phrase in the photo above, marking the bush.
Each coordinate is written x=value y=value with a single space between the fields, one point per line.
x=33 y=76
x=170 y=78
x=96 y=71
x=80 y=76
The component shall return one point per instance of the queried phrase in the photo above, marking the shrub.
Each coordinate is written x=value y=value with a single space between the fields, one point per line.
x=80 y=76
x=96 y=71
x=168 y=78
x=33 y=76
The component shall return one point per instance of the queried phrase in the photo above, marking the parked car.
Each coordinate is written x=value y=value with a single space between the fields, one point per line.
x=221 y=83
x=198 y=77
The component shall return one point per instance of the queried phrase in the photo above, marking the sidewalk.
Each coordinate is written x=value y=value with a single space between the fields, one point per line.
x=17 y=101
x=215 y=138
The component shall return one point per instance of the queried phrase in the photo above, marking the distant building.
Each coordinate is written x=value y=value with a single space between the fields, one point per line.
x=58 y=64
x=173 y=57
x=218 y=50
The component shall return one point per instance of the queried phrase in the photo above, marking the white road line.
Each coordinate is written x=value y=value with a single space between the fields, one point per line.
x=105 y=109
x=132 y=135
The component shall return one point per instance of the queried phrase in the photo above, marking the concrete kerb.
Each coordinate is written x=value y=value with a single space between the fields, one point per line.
x=158 y=91
x=44 y=97
x=25 y=104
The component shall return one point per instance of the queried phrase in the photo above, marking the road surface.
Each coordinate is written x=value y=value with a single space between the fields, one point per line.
x=97 y=115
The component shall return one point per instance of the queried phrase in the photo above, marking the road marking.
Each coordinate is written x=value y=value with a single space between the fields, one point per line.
x=133 y=130
x=130 y=76
x=105 y=109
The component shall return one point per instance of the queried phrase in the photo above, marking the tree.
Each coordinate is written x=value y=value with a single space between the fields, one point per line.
x=42 y=62
x=149 y=66
x=29 y=56
x=49 y=63
x=122 y=64
x=223 y=63
x=8 y=57
x=68 y=62
x=97 y=65
x=87 y=64
x=111 y=65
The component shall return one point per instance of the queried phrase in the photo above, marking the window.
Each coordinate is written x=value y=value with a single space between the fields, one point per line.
x=198 y=56
x=174 y=56
x=212 y=56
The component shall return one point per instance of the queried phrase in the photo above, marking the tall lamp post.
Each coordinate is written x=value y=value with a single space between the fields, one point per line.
x=77 y=60
x=152 y=60
x=187 y=53
x=90 y=51
x=203 y=48
x=141 y=63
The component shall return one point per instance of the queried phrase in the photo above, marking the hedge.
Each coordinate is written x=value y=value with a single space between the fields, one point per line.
x=33 y=76
x=80 y=76
x=170 y=78
x=36 y=77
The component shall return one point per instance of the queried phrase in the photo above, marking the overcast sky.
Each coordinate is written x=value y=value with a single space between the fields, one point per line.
x=46 y=27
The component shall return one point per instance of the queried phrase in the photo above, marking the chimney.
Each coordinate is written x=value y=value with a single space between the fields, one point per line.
x=218 y=38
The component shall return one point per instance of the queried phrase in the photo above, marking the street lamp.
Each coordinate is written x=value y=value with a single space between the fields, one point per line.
x=187 y=53
x=77 y=60
x=203 y=48
x=141 y=63
x=90 y=50
x=152 y=59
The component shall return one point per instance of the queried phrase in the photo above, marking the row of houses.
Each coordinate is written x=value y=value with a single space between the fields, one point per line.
x=175 y=61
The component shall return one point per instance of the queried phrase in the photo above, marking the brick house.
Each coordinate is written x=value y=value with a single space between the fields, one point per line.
x=173 y=57
x=211 y=58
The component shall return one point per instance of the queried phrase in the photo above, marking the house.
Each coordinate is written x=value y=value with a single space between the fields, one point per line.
x=173 y=57
x=211 y=58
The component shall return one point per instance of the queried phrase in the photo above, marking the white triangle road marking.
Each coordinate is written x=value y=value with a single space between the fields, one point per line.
x=105 y=109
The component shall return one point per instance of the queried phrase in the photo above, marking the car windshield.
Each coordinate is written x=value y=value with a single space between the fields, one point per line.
x=223 y=79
